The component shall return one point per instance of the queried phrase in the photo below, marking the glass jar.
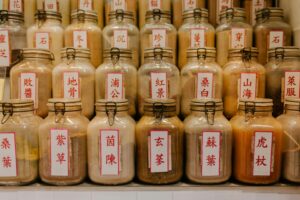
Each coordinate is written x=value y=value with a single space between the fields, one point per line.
x=251 y=6
x=149 y=5
x=61 y=6
x=90 y=6
x=195 y=32
x=75 y=78
x=116 y=78
x=201 y=77
x=215 y=7
x=208 y=137
x=290 y=122
x=257 y=143
x=122 y=33
x=158 y=32
x=126 y=5
x=159 y=138
x=19 y=142
x=282 y=76
x=158 y=78
x=243 y=79
x=273 y=32
x=34 y=77
x=62 y=142
x=47 y=33
x=84 y=32
x=111 y=144
x=232 y=33
x=182 y=6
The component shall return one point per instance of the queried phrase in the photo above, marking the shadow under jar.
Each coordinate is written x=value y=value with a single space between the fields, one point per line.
x=111 y=144
x=208 y=142
x=257 y=143
x=159 y=138
x=19 y=142
x=62 y=142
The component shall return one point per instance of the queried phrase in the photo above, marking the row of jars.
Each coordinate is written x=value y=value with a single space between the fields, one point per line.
x=64 y=146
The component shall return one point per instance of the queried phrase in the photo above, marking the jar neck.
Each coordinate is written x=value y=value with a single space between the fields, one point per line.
x=273 y=18
x=158 y=61
x=195 y=20
x=87 y=20
x=285 y=59
x=49 y=20
x=234 y=19
x=121 y=59
x=238 y=58
x=66 y=114
x=292 y=112
x=201 y=60
x=118 y=114
x=14 y=21
x=160 y=116
x=162 y=20
x=265 y=112
x=121 y=21
x=76 y=59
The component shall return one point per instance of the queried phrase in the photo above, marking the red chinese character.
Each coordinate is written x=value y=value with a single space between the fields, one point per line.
x=275 y=39
x=16 y=4
x=154 y=3
x=247 y=93
x=260 y=161
x=72 y=81
x=197 y=39
x=205 y=82
x=160 y=93
x=111 y=159
x=121 y=38
x=72 y=91
x=159 y=159
x=50 y=6
x=262 y=143
x=211 y=160
x=115 y=82
x=115 y=94
x=159 y=82
x=3 y=53
x=28 y=93
x=157 y=39
x=204 y=93
x=238 y=36
x=28 y=82
x=291 y=80
x=5 y=144
x=6 y=162
x=247 y=83
x=211 y=142
x=60 y=140
x=190 y=2
x=118 y=3
x=86 y=3
x=43 y=40
x=159 y=141
x=79 y=39
x=110 y=141
x=290 y=92
x=60 y=158
x=2 y=38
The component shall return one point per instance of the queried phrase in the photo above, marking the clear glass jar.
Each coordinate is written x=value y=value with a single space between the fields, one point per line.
x=158 y=32
x=159 y=138
x=62 y=142
x=251 y=6
x=158 y=78
x=34 y=75
x=84 y=32
x=125 y=5
x=273 y=32
x=111 y=144
x=90 y=5
x=116 y=78
x=215 y=7
x=290 y=122
x=208 y=141
x=47 y=33
x=243 y=79
x=122 y=33
x=75 y=78
x=182 y=6
x=232 y=33
x=201 y=77
x=257 y=144
x=149 y=5
x=195 y=32
x=282 y=76
x=19 y=142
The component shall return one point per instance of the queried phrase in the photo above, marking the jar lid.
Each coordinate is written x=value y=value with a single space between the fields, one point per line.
x=103 y=105
x=64 y=105
x=82 y=15
x=17 y=105
x=201 y=52
x=117 y=53
x=162 y=52
x=160 y=105
x=232 y=13
x=5 y=15
x=272 y=12
x=36 y=53
x=259 y=14
x=292 y=104
x=284 y=52
x=157 y=14
x=196 y=13
x=72 y=53
x=205 y=105
x=43 y=15
x=254 y=105
x=120 y=14
x=247 y=53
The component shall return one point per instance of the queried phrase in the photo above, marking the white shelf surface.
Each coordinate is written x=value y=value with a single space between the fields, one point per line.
x=134 y=191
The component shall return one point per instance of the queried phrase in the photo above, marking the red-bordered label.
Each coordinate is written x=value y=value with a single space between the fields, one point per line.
x=198 y=38
x=189 y=5
x=114 y=86
x=42 y=40
x=29 y=87
x=158 y=85
x=8 y=157
x=291 y=85
x=248 y=85
x=119 y=4
x=159 y=38
x=276 y=39
x=80 y=39
x=85 y=5
x=51 y=5
x=205 y=85
x=71 y=85
x=16 y=5
x=120 y=39
x=238 y=37
x=222 y=5
x=154 y=4
x=4 y=48
x=256 y=5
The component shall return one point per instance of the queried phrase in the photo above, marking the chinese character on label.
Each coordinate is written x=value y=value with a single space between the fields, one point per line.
x=71 y=85
x=16 y=5
x=154 y=4
x=262 y=153
x=120 y=39
x=159 y=38
x=42 y=40
x=114 y=86
x=204 y=85
x=223 y=5
x=238 y=38
x=51 y=5
x=119 y=4
x=28 y=86
x=197 y=38
x=256 y=5
x=86 y=5
x=247 y=86
x=159 y=155
x=291 y=84
x=159 y=85
x=189 y=5
x=4 y=49
x=276 y=39
x=80 y=39
x=109 y=152
x=8 y=162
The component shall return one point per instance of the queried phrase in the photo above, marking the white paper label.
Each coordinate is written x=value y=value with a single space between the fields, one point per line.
x=160 y=145
x=159 y=85
x=121 y=39
x=262 y=153
x=247 y=86
x=42 y=40
x=51 y=5
x=291 y=84
x=189 y=4
x=4 y=49
x=28 y=87
x=276 y=39
x=8 y=166
x=16 y=5
x=80 y=39
x=256 y=5
x=204 y=85
x=114 y=86
x=109 y=152
x=197 y=38
x=238 y=38
x=223 y=5
x=71 y=85
x=159 y=38
x=85 y=5
x=119 y=4
x=59 y=152
x=154 y=4
x=210 y=151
